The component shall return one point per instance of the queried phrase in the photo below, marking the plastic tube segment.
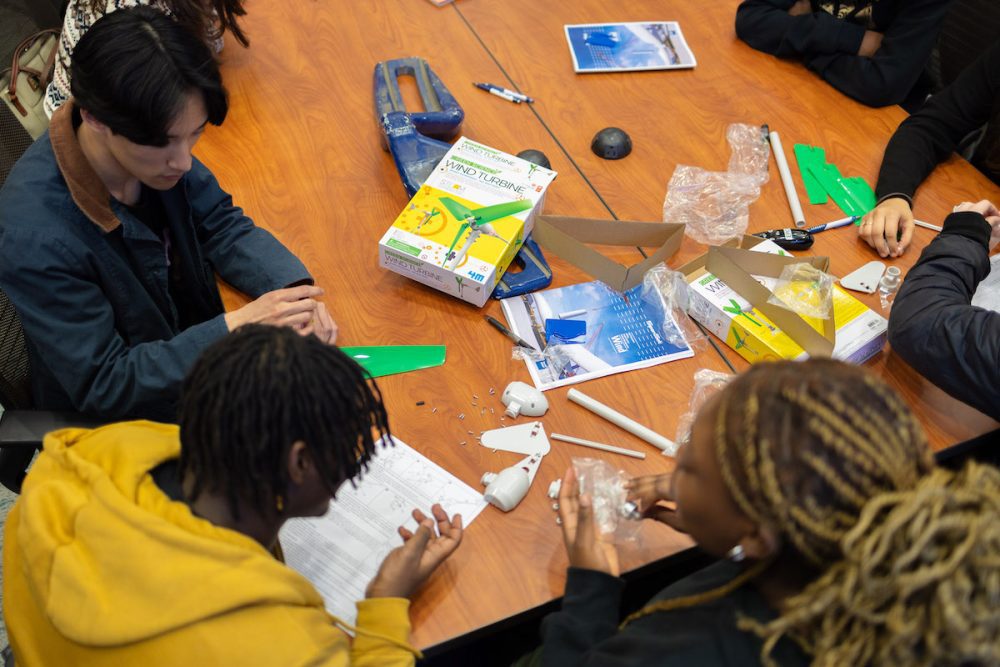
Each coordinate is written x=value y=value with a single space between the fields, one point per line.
x=786 y=180
x=618 y=419
x=598 y=445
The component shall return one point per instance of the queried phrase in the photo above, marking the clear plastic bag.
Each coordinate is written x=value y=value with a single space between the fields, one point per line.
x=804 y=289
x=714 y=205
x=706 y=384
x=606 y=487
x=669 y=290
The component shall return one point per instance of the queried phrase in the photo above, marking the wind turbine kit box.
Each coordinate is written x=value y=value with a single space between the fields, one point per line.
x=729 y=290
x=461 y=230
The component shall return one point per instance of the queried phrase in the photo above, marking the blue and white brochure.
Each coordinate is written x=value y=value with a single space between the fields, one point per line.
x=623 y=332
x=626 y=47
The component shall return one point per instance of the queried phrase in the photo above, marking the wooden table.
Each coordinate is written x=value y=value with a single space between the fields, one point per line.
x=680 y=117
x=300 y=152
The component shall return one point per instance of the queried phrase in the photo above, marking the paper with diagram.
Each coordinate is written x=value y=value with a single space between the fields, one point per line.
x=623 y=332
x=341 y=551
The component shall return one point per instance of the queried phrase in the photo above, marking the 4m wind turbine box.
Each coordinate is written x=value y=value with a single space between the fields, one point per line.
x=464 y=225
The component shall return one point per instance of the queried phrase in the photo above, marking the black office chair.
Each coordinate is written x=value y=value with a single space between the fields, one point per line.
x=22 y=428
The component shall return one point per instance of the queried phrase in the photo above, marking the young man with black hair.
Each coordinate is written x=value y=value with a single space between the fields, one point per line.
x=111 y=232
x=874 y=51
x=148 y=544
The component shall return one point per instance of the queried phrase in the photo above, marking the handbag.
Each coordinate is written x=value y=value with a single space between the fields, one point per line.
x=23 y=84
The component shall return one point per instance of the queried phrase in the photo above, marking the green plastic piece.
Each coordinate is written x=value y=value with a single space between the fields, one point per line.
x=822 y=179
x=382 y=360
x=808 y=158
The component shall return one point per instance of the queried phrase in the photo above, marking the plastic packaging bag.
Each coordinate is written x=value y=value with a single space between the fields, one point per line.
x=669 y=290
x=714 y=205
x=606 y=487
x=804 y=289
x=706 y=384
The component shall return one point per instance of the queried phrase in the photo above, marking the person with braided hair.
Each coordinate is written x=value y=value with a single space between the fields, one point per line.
x=150 y=544
x=845 y=544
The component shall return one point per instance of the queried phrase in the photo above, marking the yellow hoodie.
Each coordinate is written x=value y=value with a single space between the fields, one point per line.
x=100 y=567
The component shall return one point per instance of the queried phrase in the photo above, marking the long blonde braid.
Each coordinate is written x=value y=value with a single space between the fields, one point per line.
x=909 y=555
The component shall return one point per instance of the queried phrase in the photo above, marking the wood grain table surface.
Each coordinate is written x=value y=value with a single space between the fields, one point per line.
x=300 y=151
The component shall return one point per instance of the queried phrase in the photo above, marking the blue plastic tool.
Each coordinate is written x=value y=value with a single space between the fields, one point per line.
x=416 y=139
x=534 y=273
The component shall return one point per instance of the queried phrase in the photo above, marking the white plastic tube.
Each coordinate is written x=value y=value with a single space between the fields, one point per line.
x=668 y=446
x=786 y=180
x=598 y=445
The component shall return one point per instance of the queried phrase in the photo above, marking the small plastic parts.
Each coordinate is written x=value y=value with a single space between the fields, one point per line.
x=804 y=289
x=611 y=143
x=714 y=205
x=606 y=487
x=524 y=439
x=522 y=398
x=888 y=286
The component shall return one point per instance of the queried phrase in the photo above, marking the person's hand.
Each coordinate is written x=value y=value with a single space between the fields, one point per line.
x=800 y=8
x=870 y=43
x=576 y=514
x=888 y=227
x=407 y=567
x=988 y=210
x=649 y=493
x=290 y=307
x=321 y=325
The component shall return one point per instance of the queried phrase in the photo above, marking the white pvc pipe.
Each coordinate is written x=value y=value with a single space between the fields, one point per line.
x=618 y=419
x=786 y=180
x=598 y=445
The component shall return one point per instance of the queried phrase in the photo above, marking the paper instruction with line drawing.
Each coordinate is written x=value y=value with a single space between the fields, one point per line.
x=341 y=551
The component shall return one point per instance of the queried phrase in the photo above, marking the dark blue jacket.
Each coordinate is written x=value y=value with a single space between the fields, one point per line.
x=89 y=280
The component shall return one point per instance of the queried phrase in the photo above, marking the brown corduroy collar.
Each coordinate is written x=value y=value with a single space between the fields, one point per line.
x=85 y=187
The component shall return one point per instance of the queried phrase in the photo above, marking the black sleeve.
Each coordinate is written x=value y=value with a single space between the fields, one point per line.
x=889 y=75
x=766 y=26
x=932 y=134
x=589 y=615
x=933 y=325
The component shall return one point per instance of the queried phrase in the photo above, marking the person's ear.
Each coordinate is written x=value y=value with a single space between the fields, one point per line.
x=300 y=464
x=93 y=124
x=762 y=543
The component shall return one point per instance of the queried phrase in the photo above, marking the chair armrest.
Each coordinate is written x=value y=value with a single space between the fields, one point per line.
x=27 y=428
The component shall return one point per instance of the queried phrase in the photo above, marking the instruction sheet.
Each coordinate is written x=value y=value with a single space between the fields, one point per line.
x=341 y=551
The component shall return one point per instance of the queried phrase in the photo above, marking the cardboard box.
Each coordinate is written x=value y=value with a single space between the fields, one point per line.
x=566 y=237
x=463 y=227
x=736 y=310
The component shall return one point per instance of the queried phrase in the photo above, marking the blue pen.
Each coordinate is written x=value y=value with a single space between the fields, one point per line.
x=504 y=92
x=843 y=222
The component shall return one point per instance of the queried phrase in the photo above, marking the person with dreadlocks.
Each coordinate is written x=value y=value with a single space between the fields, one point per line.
x=874 y=51
x=150 y=544
x=845 y=544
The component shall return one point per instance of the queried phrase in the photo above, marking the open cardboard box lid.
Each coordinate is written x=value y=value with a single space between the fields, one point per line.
x=737 y=266
x=568 y=236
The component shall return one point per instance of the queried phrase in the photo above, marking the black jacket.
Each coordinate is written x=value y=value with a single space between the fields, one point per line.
x=829 y=45
x=932 y=134
x=933 y=325
x=585 y=631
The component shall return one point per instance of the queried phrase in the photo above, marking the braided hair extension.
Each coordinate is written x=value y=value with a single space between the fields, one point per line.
x=259 y=390
x=908 y=555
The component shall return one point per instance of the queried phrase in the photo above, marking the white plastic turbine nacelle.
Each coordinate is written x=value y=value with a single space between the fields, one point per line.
x=521 y=398
x=508 y=487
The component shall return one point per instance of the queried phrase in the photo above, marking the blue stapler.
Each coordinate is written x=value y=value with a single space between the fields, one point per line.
x=418 y=140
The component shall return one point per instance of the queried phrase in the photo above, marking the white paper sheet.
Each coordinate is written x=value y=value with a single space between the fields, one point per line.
x=341 y=551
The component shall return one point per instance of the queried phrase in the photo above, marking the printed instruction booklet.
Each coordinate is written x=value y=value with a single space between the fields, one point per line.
x=341 y=551
x=626 y=47
x=623 y=332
